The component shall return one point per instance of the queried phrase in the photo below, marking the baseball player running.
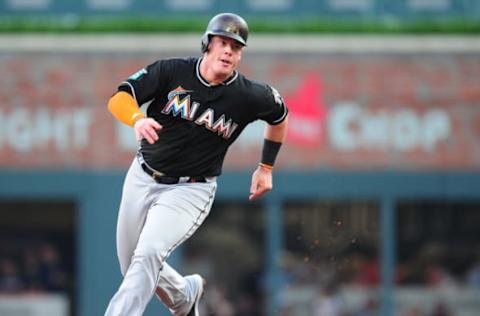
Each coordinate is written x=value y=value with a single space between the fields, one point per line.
x=198 y=107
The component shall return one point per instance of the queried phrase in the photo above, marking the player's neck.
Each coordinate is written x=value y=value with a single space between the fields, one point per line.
x=212 y=77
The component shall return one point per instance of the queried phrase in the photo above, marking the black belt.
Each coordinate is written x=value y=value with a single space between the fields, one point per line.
x=163 y=179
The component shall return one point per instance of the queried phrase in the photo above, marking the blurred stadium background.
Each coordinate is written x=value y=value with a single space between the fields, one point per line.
x=376 y=205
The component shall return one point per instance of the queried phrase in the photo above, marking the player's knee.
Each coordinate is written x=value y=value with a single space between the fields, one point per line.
x=152 y=251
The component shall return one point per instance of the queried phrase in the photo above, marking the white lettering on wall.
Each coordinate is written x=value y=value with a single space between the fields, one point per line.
x=24 y=130
x=340 y=129
x=351 y=127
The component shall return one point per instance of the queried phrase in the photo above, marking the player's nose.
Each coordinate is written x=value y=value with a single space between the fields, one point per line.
x=228 y=49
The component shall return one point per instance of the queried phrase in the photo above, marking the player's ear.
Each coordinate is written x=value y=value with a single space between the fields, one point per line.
x=207 y=49
x=208 y=46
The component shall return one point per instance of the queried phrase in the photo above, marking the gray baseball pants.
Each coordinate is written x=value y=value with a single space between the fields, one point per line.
x=153 y=220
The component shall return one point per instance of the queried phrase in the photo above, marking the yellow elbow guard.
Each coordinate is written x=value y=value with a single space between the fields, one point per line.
x=124 y=108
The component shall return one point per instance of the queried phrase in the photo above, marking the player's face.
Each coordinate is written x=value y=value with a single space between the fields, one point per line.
x=224 y=55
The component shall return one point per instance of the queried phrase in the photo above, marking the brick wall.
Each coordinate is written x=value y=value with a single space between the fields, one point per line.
x=347 y=111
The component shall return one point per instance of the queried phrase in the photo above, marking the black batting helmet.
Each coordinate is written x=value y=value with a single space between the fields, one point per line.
x=226 y=24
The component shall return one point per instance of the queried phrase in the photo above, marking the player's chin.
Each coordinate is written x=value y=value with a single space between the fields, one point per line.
x=225 y=69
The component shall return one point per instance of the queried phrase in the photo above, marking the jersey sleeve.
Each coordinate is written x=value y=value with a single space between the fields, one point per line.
x=272 y=108
x=145 y=83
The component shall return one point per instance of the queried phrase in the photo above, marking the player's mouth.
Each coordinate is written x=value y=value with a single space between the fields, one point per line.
x=225 y=63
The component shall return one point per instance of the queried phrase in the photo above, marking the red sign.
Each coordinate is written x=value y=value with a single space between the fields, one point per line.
x=307 y=112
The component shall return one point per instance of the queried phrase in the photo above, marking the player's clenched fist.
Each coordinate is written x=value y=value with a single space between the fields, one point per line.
x=147 y=128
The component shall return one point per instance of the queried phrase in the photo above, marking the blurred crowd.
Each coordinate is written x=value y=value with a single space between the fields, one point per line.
x=431 y=270
x=323 y=286
x=316 y=286
x=313 y=285
x=32 y=266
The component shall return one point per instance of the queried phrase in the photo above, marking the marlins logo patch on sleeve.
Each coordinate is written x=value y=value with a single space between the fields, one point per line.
x=277 y=96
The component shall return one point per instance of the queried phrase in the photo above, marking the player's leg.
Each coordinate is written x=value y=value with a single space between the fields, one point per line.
x=173 y=218
x=172 y=288
x=132 y=213
x=170 y=281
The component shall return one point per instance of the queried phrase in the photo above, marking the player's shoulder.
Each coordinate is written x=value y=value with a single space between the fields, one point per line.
x=256 y=88
x=252 y=85
x=169 y=67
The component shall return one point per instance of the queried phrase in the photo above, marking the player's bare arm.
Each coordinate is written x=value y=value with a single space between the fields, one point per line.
x=262 y=176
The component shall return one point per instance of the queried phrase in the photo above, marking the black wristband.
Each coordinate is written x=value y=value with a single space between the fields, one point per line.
x=270 y=151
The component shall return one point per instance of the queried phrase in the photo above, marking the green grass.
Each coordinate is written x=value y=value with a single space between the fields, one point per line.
x=151 y=25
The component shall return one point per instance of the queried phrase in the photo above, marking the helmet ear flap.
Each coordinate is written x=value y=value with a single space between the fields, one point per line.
x=205 y=42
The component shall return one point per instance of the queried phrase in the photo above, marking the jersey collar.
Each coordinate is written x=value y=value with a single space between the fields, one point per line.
x=204 y=82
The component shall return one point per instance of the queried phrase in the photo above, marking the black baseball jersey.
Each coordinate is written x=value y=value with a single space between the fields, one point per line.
x=200 y=121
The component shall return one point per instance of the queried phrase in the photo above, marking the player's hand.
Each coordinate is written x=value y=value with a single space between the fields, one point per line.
x=147 y=128
x=261 y=183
